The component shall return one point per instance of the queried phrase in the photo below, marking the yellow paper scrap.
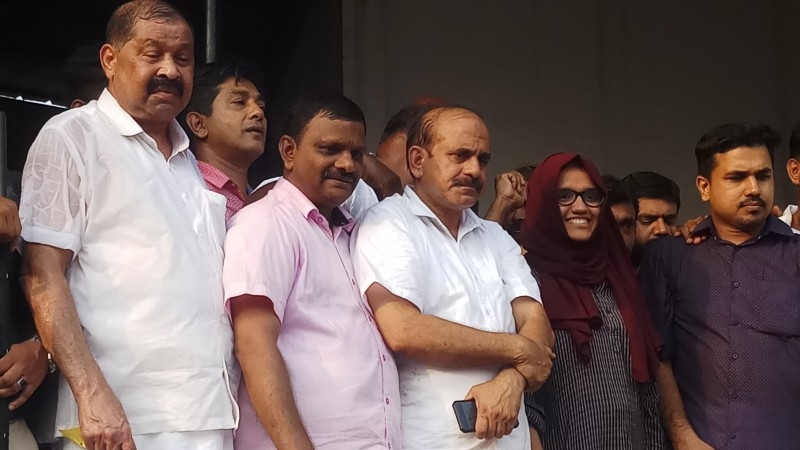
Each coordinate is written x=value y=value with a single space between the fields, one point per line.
x=74 y=435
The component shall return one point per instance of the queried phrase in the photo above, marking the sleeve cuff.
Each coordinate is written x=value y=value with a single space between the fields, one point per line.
x=57 y=239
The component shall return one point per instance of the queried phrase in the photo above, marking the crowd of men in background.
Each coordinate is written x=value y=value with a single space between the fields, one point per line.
x=359 y=302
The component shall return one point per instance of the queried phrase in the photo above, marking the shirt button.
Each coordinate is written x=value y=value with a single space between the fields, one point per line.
x=383 y=357
x=319 y=219
x=736 y=284
x=735 y=356
x=735 y=322
x=353 y=281
x=390 y=446
x=387 y=400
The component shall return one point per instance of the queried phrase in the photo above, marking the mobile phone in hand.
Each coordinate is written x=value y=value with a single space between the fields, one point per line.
x=467 y=414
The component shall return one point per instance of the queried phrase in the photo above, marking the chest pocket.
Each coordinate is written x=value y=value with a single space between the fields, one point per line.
x=778 y=311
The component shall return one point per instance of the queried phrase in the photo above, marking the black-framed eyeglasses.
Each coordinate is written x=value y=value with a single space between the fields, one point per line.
x=591 y=197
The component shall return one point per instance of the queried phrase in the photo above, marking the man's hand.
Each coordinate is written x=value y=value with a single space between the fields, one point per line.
x=9 y=222
x=534 y=362
x=24 y=361
x=510 y=186
x=103 y=421
x=497 y=401
x=691 y=442
x=509 y=195
x=688 y=228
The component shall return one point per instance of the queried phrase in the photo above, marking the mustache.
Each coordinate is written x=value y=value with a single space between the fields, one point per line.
x=340 y=175
x=753 y=201
x=474 y=183
x=159 y=84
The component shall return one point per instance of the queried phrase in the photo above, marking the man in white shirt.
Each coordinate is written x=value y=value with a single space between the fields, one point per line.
x=790 y=215
x=450 y=292
x=123 y=254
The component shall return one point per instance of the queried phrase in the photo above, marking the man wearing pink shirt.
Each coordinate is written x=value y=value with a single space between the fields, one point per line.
x=226 y=122
x=317 y=373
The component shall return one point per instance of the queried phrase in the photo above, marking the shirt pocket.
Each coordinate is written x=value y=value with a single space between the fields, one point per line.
x=779 y=311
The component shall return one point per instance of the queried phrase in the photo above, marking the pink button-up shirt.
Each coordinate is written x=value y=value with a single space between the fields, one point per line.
x=221 y=184
x=343 y=377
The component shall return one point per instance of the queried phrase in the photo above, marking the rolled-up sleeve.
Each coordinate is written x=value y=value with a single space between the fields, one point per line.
x=54 y=189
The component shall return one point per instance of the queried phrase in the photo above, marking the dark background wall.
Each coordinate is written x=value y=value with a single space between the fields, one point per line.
x=297 y=44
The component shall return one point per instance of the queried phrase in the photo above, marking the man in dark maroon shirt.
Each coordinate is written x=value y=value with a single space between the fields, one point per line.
x=729 y=308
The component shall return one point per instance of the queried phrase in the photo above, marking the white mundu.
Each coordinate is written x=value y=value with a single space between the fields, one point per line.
x=471 y=280
x=146 y=237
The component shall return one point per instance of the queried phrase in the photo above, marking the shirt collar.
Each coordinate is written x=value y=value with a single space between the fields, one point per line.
x=339 y=217
x=469 y=220
x=772 y=225
x=213 y=176
x=127 y=126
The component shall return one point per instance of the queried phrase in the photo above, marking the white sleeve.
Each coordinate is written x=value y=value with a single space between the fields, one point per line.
x=385 y=253
x=518 y=279
x=53 y=202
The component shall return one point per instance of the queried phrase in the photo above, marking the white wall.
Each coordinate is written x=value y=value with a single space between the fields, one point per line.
x=632 y=84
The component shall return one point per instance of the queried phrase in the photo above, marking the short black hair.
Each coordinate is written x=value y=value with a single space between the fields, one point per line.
x=794 y=142
x=403 y=120
x=208 y=77
x=423 y=132
x=119 y=28
x=727 y=137
x=329 y=105
x=616 y=193
x=651 y=185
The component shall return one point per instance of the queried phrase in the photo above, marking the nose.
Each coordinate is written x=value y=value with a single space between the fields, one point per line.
x=753 y=188
x=579 y=205
x=168 y=68
x=255 y=110
x=345 y=162
x=660 y=227
x=472 y=167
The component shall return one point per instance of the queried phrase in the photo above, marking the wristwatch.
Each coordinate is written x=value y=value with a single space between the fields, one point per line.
x=51 y=363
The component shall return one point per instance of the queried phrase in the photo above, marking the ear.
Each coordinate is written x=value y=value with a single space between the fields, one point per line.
x=77 y=103
x=703 y=186
x=416 y=156
x=108 y=60
x=197 y=123
x=288 y=150
x=793 y=169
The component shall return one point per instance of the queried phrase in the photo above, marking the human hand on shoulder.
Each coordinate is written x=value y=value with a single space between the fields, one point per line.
x=497 y=401
x=688 y=228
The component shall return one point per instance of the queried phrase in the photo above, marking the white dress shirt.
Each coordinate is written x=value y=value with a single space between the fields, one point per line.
x=470 y=280
x=146 y=237
x=786 y=217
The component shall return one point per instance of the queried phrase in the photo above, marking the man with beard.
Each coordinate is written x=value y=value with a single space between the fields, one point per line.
x=657 y=200
x=728 y=308
x=452 y=294
x=316 y=372
x=123 y=251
